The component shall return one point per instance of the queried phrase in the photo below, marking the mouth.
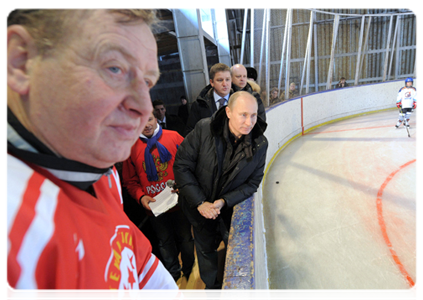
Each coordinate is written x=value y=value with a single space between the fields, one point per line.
x=125 y=131
x=148 y=130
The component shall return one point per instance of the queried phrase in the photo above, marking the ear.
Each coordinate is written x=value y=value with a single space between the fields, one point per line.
x=228 y=112
x=20 y=49
x=211 y=82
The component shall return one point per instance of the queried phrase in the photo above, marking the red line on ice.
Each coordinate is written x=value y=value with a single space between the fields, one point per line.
x=383 y=226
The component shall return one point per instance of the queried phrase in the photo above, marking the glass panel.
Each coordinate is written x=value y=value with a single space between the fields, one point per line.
x=206 y=21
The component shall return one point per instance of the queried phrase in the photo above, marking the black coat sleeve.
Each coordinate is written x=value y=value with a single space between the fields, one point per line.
x=250 y=186
x=184 y=168
x=193 y=118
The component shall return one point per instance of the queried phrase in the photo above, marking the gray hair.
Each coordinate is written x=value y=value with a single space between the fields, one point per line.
x=49 y=27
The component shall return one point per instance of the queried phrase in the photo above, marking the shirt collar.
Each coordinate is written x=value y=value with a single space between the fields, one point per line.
x=163 y=121
x=217 y=97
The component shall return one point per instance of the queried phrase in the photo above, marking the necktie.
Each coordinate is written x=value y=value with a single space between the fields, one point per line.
x=221 y=102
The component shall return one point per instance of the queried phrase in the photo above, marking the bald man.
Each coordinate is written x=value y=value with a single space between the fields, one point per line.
x=240 y=82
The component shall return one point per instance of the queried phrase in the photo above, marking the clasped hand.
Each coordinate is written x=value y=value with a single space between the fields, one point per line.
x=211 y=210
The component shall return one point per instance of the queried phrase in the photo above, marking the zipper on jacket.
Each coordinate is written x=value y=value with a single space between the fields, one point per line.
x=108 y=173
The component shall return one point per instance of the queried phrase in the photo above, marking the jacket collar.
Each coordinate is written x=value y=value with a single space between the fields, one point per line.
x=206 y=95
x=247 y=88
x=24 y=145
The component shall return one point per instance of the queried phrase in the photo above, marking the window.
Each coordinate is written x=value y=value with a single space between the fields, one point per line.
x=206 y=21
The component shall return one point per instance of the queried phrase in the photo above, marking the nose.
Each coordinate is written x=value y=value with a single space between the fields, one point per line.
x=139 y=101
x=248 y=121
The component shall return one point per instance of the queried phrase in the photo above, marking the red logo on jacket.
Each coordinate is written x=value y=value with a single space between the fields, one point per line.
x=121 y=269
x=160 y=167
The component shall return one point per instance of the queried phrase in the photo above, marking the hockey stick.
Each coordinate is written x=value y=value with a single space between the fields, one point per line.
x=403 y=121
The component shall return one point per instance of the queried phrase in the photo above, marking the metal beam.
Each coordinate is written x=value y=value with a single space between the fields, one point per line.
x=263 y=31
x=388 y=44
x=252 y=38
x=306 y=65
x=285 y=38
x=244 y=30
x=398 y=51
x=310 y=34
x=334 y=35
x=316 y=61
x=393 y=46
x=416 y=60
x=368 y=14
x=360 y=44
x=191 y=51
x=365 y=45
x=288 y=56
x=267 y=56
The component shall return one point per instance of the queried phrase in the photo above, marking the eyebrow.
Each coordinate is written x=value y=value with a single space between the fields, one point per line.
x=107 y=47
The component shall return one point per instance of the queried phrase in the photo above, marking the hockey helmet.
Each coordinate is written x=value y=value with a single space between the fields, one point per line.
x=409 y=79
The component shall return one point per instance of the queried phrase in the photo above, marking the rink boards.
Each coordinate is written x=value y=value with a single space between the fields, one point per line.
x=246 y=265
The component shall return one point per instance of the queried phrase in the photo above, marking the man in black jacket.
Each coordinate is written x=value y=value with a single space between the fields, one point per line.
x=218 y=165
x=170 y=122
x=240 y=83
x=210 y=98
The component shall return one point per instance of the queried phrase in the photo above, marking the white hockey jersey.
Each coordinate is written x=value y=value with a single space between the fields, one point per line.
x=407 y=96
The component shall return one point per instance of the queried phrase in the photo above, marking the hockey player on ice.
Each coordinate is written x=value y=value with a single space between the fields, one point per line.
x=406 y=101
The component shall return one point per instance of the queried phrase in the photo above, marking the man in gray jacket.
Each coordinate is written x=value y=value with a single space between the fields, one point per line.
x=218 y=165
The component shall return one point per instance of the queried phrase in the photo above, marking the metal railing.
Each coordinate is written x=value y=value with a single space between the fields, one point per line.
x=314 y=48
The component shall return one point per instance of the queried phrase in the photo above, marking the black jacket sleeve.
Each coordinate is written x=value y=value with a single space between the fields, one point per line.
x=184 y=168
x=250 y=186
x=193 y=118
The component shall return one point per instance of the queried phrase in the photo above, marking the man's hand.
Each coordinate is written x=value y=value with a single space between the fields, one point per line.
x=211 y=210
x=208 y=211
x=145 y=202
x=218 y=204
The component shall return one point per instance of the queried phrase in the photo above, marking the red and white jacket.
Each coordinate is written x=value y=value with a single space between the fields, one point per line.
x=61 y=237
x=133 y=169
x=407 y=97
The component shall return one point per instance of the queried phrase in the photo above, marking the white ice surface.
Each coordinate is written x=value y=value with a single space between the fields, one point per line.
x=321 y=218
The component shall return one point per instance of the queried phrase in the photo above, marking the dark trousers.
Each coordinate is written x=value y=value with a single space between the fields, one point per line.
x=174 y=234
x=207 y=239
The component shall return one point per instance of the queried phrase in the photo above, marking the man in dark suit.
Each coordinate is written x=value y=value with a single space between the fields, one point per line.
x=212 y=97
x=170 y=122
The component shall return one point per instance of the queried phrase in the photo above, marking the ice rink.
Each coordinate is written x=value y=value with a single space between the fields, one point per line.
x=340 y=207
